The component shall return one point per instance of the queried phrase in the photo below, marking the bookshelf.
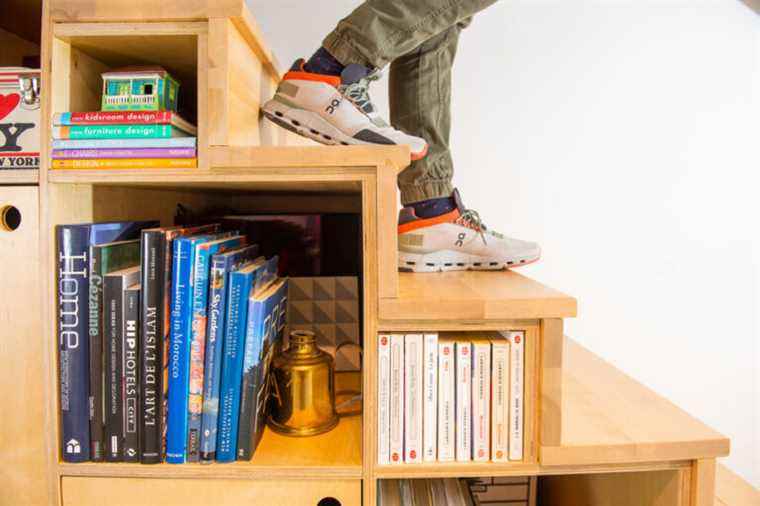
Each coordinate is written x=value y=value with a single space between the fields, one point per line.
x=589 y=429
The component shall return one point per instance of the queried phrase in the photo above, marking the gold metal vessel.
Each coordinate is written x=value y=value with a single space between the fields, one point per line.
x=303 y=388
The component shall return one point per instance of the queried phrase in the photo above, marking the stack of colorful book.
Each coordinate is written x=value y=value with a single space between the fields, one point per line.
x=123 y=140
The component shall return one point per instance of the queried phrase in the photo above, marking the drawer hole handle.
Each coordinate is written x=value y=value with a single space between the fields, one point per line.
x=10 y=218
x=329 y=501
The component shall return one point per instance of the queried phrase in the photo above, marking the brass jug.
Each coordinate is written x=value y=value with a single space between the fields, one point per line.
x=303 y=388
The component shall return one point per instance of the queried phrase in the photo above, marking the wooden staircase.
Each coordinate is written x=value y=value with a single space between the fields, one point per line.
x=590 y=430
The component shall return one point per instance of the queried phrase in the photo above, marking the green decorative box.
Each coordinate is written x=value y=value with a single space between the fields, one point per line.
x=139 y=89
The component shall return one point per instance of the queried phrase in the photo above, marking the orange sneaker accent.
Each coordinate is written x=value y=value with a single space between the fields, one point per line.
x=420 y=155
x=333 y=81
x=449 y=217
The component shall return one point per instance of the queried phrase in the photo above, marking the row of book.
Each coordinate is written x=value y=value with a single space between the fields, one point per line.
x=457 y=396
x=512 y=491
x=165 y=336
x=123 y=139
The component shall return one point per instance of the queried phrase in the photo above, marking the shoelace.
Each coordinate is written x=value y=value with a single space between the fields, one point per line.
x=358 y=92
x=471 y=218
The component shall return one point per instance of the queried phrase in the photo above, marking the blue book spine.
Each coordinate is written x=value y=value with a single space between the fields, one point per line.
x=200 y=288
x=232 y=364
x=179 y=351
x=221 y=266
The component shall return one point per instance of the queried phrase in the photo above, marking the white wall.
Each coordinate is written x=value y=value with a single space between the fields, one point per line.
x=624 y=136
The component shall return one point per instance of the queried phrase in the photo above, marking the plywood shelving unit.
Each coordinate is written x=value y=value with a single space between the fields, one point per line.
x=589 y=429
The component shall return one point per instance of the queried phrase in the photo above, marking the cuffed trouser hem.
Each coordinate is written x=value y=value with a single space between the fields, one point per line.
x=341 y=48
x=411 y=194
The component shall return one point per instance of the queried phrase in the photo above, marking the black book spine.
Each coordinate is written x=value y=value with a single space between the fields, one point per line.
x=112 y=325
x=130 y=367
x=97 y=452
x=153 y=250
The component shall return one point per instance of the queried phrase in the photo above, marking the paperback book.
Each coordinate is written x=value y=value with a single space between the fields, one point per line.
x=397 y=399
x=124 y=118
x=119 y=153
x=78 y=144
x=383 y=398
x=413 y=363
x=117 y=132
x=446 y=400
x=125 y=163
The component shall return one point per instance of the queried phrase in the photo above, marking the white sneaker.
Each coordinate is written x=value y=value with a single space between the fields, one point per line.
x=335 y=110
x=457 y=241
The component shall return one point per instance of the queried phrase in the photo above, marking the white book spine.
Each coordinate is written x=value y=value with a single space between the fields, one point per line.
x=464 y=402
x=481 y=401
x=446 y=401
x=430 y=410
x=516 y=373
x=397 y=400
x=413 y=365
x=383 y=399
x=499 y=400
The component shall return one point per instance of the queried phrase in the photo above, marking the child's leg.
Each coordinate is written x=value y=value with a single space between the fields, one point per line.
x=379 y=31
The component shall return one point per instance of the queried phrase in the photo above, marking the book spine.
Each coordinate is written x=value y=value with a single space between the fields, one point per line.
x=481 y=400
x=179 y=359
x=446 y=401
x=113 y=118
x=211 y=374
x=251 y=366
x=131 y=305
x=174 y=142
x=232 y=366
x=499 y=401
x=383 y=398
x=113 y=326
x=95 y=323
x=413 y=398
x=112 y=132
x=126 y=163
x=516 y=371
x=152 y=319
x=199 y=291
x=73 y=341
x=65 y=154
x=464 y=401
x=430 y=409
x=397 y=399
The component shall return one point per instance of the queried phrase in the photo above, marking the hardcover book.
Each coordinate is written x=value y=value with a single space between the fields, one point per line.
x=117 y=132
x=240 y=284
x=156 y=262
x=104 y=258
x=446 y=400
x=73 y=243
x=430 y=399
x=463 y=401
x=267 y=308
x=221 y=265
x=124 y=118
x=199 y=314
x=413 y=364
x=499 y=400
x=130 y=368
x=126 y=163
x=397 y=399
x=173 y=143
x=481 y=399
x=383 y=398
x=114 y=286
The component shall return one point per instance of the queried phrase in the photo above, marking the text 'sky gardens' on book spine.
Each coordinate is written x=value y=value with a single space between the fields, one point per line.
x=397 y=399
x=383 y=398
x=499 y=400
x=430 y=399
x=199 y=308
x=131 y=353
x=464 y=401
x=481 y=399
x=516 y=396
x=413 y=363
x=446 y=400
x=72 y=259
x=266 y=321
x=221 y=265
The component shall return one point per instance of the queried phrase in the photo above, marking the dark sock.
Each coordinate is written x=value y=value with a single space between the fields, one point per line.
x=322 y=62
x=434 y=207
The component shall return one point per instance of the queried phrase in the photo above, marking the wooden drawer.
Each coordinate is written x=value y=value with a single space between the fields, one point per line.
x=77 y=491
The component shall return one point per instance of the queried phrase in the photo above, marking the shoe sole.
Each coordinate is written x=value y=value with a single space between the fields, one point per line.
x=313 y=126
x=445 y=261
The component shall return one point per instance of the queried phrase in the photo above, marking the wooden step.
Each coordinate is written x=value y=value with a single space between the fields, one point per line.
x=732 y=490
x=607 y=417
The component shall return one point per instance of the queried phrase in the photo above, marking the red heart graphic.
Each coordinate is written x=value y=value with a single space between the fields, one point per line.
x=8 y=103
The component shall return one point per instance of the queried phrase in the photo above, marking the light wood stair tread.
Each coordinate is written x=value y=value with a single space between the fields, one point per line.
x=608 y=417
x=474 y=296
x=732 y=490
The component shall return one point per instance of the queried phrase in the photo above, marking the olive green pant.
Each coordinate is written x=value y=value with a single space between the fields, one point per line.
x=419 y=39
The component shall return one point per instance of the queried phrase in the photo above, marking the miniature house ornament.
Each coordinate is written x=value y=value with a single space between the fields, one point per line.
x=139 y=89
